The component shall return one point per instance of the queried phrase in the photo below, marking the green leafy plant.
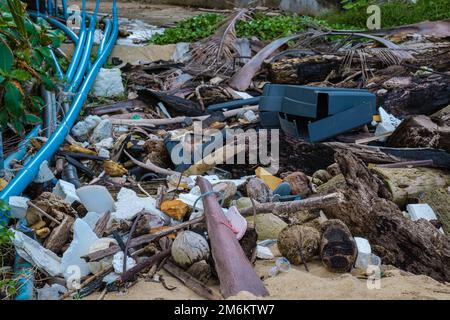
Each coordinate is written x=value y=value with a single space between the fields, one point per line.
x=262 y=26
x=393 y=13
x=190 y=30
x=25 y=63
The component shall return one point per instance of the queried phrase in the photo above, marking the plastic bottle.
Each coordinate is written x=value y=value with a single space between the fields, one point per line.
x=281 y=265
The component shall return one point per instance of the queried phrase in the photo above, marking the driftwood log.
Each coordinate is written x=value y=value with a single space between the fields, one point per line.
x=234 y=270
x=420 y=131
x=303 y=70
x=409 y=183
x=287 y=207
x=417 y=247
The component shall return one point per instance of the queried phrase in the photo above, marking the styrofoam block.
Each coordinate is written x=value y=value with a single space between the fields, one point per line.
x=421 y=211
x=18 y=206
x=66 y=190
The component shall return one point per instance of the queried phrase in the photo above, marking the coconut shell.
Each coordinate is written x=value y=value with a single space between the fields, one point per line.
x=188 y=248
x=296 y=237
x=338 y=249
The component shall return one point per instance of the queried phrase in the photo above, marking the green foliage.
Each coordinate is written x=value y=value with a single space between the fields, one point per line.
x=266 y=28
x=190 y=30
x=393 y=13
x=25 y=63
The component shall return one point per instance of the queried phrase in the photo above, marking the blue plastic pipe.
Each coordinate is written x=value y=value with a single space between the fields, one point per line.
x=77 y=79
x=25 y=176
x=106 y=33
x=79 y=47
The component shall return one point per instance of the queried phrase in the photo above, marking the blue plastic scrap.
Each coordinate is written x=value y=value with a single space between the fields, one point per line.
x=315 y=113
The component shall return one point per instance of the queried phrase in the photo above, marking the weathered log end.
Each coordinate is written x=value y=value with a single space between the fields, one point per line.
x=417 y=247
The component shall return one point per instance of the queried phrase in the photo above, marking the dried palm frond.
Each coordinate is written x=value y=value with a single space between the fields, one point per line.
x=218 y=52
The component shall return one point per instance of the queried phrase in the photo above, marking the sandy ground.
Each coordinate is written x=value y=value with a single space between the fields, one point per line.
x=298 y=284
x=155 y=14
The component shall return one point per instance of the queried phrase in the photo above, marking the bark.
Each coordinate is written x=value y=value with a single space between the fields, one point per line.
x=191 y=282
x=303 y=70
x=130 y=274
x=234 y=270
x=424 y=96
x=59 y=236
x=408 y=183
x=417 y=247
x=283 y=208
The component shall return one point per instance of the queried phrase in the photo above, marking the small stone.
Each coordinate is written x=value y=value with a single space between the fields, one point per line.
x=322 y=175
x=244 y=202
x=107 y=143
x=268 y=225
x=102 y=131
x=175 y=209
x=296 y=237
x=299 y=183
x=259 y=190
x=92 y=121
x=228 y=190
x=104 y=153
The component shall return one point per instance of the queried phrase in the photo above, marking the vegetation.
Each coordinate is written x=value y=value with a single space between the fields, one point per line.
x=7 y=285
x=393 y=13
x=266 y=28
x=25 y=63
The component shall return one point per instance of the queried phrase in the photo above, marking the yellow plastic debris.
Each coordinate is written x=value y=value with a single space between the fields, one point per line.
x=78 y=149
x=113 y=169
x=3 y=184
x=272 y=181
x=176 y=209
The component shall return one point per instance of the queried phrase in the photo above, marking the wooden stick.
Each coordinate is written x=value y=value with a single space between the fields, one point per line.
x=161 y=122
x=150 y=166
x=191 y=282
x=296 y=205
x=43 y=213
x=146 y=238
x=131 y=273
x=405 y=164
x=100 y=225
x=374 y=138
x=87 y=281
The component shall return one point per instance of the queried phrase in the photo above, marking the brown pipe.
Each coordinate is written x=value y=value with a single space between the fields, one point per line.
x=234 y=270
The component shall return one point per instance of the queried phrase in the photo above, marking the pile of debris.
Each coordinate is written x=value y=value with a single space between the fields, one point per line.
x=152 y=183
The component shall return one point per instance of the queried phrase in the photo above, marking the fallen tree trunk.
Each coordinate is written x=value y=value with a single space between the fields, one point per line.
x=420 y=131
x=303 y=70
x=417 y=247
x=234 y=270
x=408 y=183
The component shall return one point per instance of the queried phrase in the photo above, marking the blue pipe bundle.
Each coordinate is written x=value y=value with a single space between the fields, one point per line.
x=80 y=77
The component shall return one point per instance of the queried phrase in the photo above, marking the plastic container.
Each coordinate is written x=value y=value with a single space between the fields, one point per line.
x=281 y=265
x=364 y=260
